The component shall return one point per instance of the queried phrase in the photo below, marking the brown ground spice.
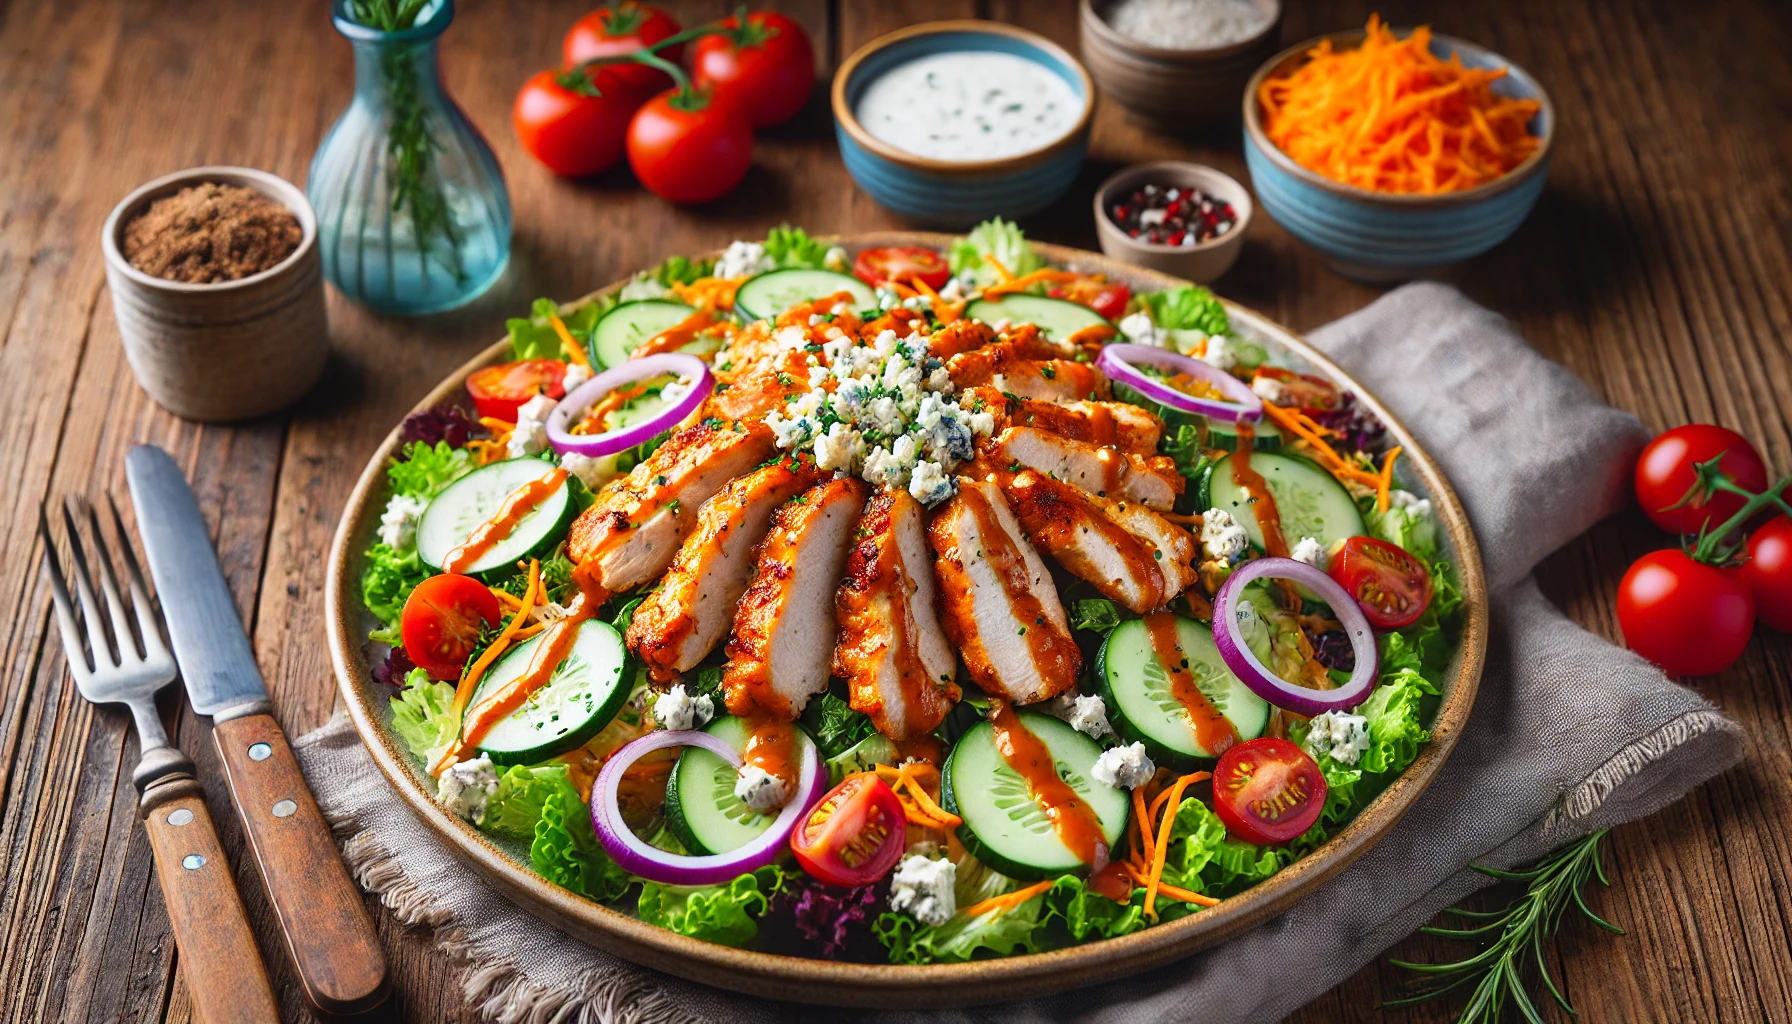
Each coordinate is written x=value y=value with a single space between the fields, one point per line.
x=210 y=232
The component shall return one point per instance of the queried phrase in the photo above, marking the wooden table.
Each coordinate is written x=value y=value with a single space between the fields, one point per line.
x=1656 y=267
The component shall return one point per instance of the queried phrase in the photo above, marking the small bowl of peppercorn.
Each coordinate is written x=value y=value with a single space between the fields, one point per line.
x=1184 y=219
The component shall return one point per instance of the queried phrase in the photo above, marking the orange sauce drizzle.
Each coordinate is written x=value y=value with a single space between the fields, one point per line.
x=771 y=746
x=676 y=336
x=1263 y=506
x=556 y=644
x=1213 y=731
x=1055 y=654
x=517 y=505
x=1074 y=820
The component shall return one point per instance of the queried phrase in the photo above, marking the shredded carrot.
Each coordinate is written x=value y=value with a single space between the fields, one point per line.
x=708 y=292
x=1186 y=895
x=1389 y=116
x=1162 y=851
x=496 y=425
x=1007 y=275
x=946 y=312
x=1014 y=284
x=469 y=680
x=1386 y=480
x=1008 y=900
x=575 y=352
x=1141 y=832
x=918 y=805
x=1302 y=426
x=506 y=598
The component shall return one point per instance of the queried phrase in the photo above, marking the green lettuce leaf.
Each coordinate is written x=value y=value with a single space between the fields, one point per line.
x=1019 y=929
x=1203 y=858
x=1406 y=528
x=874 y=749
x=534 y=337
x=681 y=270
x=1091 y=915
x=792 y=247
x=566 y=851
x=387 y=581
x=522 y=794
x=724 y=914
x=1097 y=614
x=1396 y=731
x=1188 y=308
x=423 y=715
x=835 y=725
x=427 y=470
x=1000 y=239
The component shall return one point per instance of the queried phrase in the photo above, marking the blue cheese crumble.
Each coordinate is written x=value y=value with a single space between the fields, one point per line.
x=1221 y=536
x=1342 y=735
x=1084 y=712
x=1308 y=550
x=466 y=788
x=677 y=708
x=1123 y=767
x=922 y=888
x=758 y=788
x=398 y=523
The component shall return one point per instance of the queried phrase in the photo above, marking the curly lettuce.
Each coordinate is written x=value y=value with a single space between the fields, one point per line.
x=789 y=247
x=1190 y=308
x=724 y=914
x=388 y=579
x=1000 y=240
x=1019 y=929
x=423 y=715
x=1412 y=528
x=566 y=851
x=534 y=337
x=426 y=470
x=835 y=725
x=522 y=794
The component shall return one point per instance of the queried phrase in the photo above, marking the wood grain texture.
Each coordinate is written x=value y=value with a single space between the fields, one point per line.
x=219 y=958
x=1656 y=267
x=326 y=929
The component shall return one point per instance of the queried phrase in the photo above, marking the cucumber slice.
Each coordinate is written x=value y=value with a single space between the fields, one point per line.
x=775 y=291
x=1311 y=502
x=1058 y=318
x=1265 y=436
x=457 y=512
x=701 y=808
x=576 y=702
x=1135 y=685
x=623 y=329
x=1003 y=826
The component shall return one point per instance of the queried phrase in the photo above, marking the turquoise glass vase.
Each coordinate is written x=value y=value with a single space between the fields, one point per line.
x=412 y=214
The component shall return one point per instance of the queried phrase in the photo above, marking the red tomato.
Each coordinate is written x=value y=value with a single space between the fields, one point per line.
x=690 y=148
x=1390 y=585
x=1690 y=618
x=902 y=263
x=1304 y=391
x=855 y=835
x=1105 y=297
x=1769 y=572
x=623 y=28
x=1267 y=790
x=766 y=68
x=570 y=131
x=1664 y=474
x=442 y=620
x=499 y=391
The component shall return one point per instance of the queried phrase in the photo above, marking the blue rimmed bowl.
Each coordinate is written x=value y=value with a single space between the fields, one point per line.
x=1374 y=236
x=949 y=192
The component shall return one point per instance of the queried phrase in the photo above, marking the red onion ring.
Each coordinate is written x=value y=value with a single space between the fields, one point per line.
x=610 y=442
x=1117 y=361
x=1303 y=700
x=637 y=857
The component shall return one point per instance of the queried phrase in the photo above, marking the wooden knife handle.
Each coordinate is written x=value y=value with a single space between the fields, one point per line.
x=326 y=926
x=225 y=976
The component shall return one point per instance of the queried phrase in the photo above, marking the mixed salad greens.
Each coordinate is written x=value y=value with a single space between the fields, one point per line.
x=904 y=605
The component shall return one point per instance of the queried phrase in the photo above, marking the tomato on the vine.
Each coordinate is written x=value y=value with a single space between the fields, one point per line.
x=623 y=29
x=855 y=835
x=575 y=123
x=1105 y=297
x=902 y=263
x=690 y=146
x=1769 y=572
x=1664 y=473
x=1690 y=618
x=442 y=620
x=766 y=66
x=1267 y=790
x=1392 y=587
x=499 y=391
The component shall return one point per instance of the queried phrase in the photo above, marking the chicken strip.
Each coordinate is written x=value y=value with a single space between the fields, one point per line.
x=632 y=532
x=1049 y=380
x=960 y=335
x=783 y=643
x=1103 y=472
x=1128 y=552
x=897 y=664
x=1181 y=552
x=1121 y=424
x=998 y=603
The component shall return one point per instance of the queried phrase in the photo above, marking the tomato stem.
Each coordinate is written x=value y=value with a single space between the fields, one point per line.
x=1711 y=547
x=652 y=50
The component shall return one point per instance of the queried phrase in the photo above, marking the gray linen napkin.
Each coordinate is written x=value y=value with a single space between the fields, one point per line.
x=1568 y=734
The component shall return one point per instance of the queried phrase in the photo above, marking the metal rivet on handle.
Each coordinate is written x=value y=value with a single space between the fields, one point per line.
x=260 y=752
x=192 y=862
x=285 y=809
x=181 y=816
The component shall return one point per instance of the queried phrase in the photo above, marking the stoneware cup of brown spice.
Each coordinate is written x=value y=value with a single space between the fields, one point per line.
x=236 y=328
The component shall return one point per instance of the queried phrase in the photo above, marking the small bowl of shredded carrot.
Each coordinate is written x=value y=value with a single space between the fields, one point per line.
x=1394 y=152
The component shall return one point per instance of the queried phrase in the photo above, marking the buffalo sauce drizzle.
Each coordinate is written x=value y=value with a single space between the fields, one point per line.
x=516 y=508
x=1263 y=506
x=676 y=336
x=1213 y=731
x=1054 y=654
x=1072 y=818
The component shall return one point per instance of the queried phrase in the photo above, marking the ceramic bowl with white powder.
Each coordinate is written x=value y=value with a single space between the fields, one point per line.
x=1178 y=62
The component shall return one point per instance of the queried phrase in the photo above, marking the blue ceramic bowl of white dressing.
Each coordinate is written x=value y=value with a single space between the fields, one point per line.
x=941 y=190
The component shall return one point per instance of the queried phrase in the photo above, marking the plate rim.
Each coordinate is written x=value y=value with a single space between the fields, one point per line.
x=932 y=986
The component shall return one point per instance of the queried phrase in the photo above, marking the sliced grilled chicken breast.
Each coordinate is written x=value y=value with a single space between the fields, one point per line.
x=633 y=530
x=1102 y=471
x=998 y=604
x=748 y=394
x=1128 y=552
x=1181 y=553
x=1120 y=424
x=680 y=623
x=783 y=644
x=1045 y=379
x=897 y=664
x=960 y=336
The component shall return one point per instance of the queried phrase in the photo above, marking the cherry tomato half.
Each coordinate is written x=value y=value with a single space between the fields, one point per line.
x=855 y=835
x=620 y=29
x=690 y=148
x=1664 y=474
x=767 y=68
x=1391 y=585
x=442 y=620
x=574 y=132
x=1769 y=572
x=499 y=391
x=902 y=263
x=1105 y=297
x=1304 y=391
x=1690 y=618
x=1267 y=790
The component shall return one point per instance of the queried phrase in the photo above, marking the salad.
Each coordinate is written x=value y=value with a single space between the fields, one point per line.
x=904 y=606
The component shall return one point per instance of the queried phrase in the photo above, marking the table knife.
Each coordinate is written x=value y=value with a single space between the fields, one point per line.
x=325 y=924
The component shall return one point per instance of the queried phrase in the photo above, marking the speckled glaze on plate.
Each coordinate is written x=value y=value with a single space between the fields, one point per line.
x=878 y=985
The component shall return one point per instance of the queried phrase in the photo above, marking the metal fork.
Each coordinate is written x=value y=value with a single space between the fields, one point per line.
x=118 y=666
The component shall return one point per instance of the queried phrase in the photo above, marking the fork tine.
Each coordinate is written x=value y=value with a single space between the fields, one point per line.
x=128 y=649
x=65 y=612
x=149 y=623
x=103 y=655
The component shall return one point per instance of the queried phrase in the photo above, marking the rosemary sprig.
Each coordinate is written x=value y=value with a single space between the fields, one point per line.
x=1514 y=936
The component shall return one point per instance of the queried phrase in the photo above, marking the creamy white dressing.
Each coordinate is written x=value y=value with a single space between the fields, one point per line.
x=968 y=105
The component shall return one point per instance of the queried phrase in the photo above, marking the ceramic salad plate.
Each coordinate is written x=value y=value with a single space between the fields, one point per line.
x=831 y=792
